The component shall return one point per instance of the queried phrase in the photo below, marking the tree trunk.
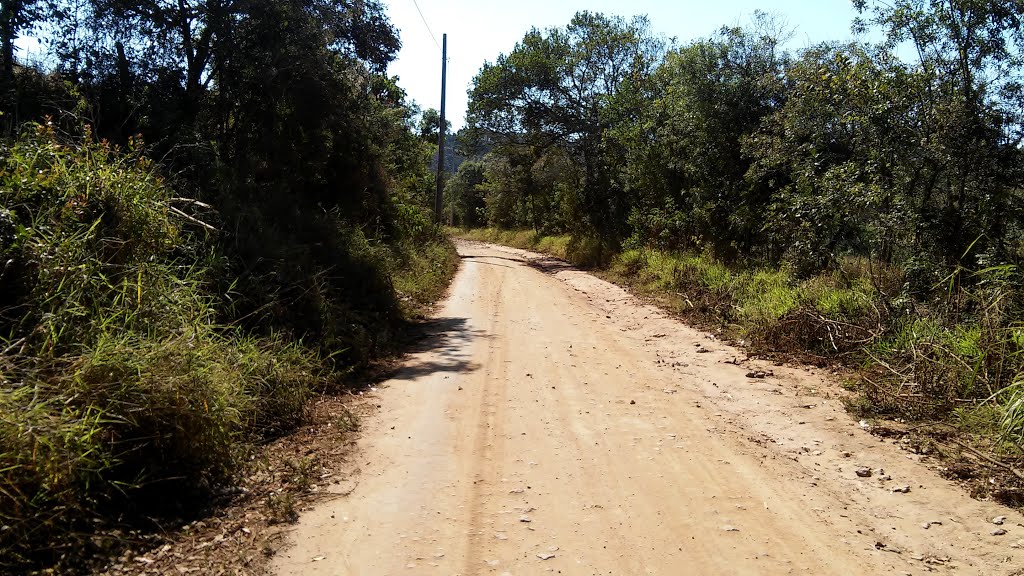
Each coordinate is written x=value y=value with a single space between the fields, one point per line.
x=8 y=30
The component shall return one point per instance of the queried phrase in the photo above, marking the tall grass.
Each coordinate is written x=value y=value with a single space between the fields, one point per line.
x=124 y=396
x=120 y=396
x=422 y=272
x=769 y=309
x=963 y=354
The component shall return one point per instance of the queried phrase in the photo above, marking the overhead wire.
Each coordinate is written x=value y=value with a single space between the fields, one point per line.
x=424 y=18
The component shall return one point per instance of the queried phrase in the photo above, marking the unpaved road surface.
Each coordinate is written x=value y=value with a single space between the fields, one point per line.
x=554 y=424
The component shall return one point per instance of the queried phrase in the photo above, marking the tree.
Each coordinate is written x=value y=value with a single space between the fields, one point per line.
x=842 y=157
x=686 y=157
x=16 y=16
x=277 y=113
x=464 y=195
x=970 y=52
x=568 y=87
x=152 y=63
x=429 y=125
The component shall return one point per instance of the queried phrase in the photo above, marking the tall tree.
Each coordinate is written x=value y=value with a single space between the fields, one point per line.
x=16 y=16
x=842 y=157
x=569 y=87
x=688 y=160
x=971 y=52
x=429 y=124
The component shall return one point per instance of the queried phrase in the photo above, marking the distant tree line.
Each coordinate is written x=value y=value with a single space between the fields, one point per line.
x=907 y=151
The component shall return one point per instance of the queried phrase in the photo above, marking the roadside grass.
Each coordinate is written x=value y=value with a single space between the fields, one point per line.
x=768 y=310
x=121 y=398
x=957 y=359
x=422 y=274
x=124 y=401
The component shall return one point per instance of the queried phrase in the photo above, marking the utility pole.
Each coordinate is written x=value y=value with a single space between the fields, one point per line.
x=442 y=136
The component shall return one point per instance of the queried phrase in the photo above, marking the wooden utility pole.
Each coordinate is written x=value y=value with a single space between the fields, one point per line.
x=442 y=135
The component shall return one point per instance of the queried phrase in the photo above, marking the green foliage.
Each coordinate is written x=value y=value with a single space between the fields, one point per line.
x=970 y=63
x=837 y=154
x=768 y=296
x=118 y=392
x=153 y=332
x=688 y=173
x=565 y=90
x=84 y=228
x=1012 y=421
x=464 y=195
x=120 y=395
x=732 y=145
x=963 y=356
x=278 y=117
x=826 y=316
x=430 y=124
x=422 y=273
x=843 y=201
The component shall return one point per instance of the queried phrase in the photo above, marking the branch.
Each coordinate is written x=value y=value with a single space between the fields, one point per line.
x=193 y=220
x=991 y=460
x=193 y=202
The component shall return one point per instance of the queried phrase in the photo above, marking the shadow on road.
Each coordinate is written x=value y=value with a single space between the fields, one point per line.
x=483 y=260
x=543 y=263
x=549 y=264
x=443 y=347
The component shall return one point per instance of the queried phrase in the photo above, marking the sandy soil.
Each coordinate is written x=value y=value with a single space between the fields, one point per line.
x=551 y=423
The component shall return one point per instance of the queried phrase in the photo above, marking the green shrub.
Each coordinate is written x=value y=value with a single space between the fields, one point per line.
x=587 y=251
x=1012 y=402
x=630 y=262
x=423 y=272
x=120 y=397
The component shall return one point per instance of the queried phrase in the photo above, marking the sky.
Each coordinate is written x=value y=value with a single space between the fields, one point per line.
x=479 y=30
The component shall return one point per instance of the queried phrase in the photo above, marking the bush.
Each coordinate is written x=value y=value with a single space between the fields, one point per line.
x=825 y=316
x=119 y=395
x=423 y=272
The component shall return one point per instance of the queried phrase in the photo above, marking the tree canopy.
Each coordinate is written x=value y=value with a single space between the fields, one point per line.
x=735 y=145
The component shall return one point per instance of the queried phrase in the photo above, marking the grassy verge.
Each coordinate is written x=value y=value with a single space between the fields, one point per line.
x=422 y=275
x=125 y=402
x=955 y=361
x=557 y=246
x=819 y=319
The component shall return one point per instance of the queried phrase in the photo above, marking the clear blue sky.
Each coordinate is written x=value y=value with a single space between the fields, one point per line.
x=479 y=30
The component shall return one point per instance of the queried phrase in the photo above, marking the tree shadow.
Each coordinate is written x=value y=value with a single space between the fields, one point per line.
x=448 y=342
x=481 y=260
x=543 y=263
x=550 y=264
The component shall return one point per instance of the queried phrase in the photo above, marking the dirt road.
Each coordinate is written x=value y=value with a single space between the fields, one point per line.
x=553 y=424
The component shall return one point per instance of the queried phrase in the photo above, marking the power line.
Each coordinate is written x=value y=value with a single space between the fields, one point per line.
x=424 y=18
